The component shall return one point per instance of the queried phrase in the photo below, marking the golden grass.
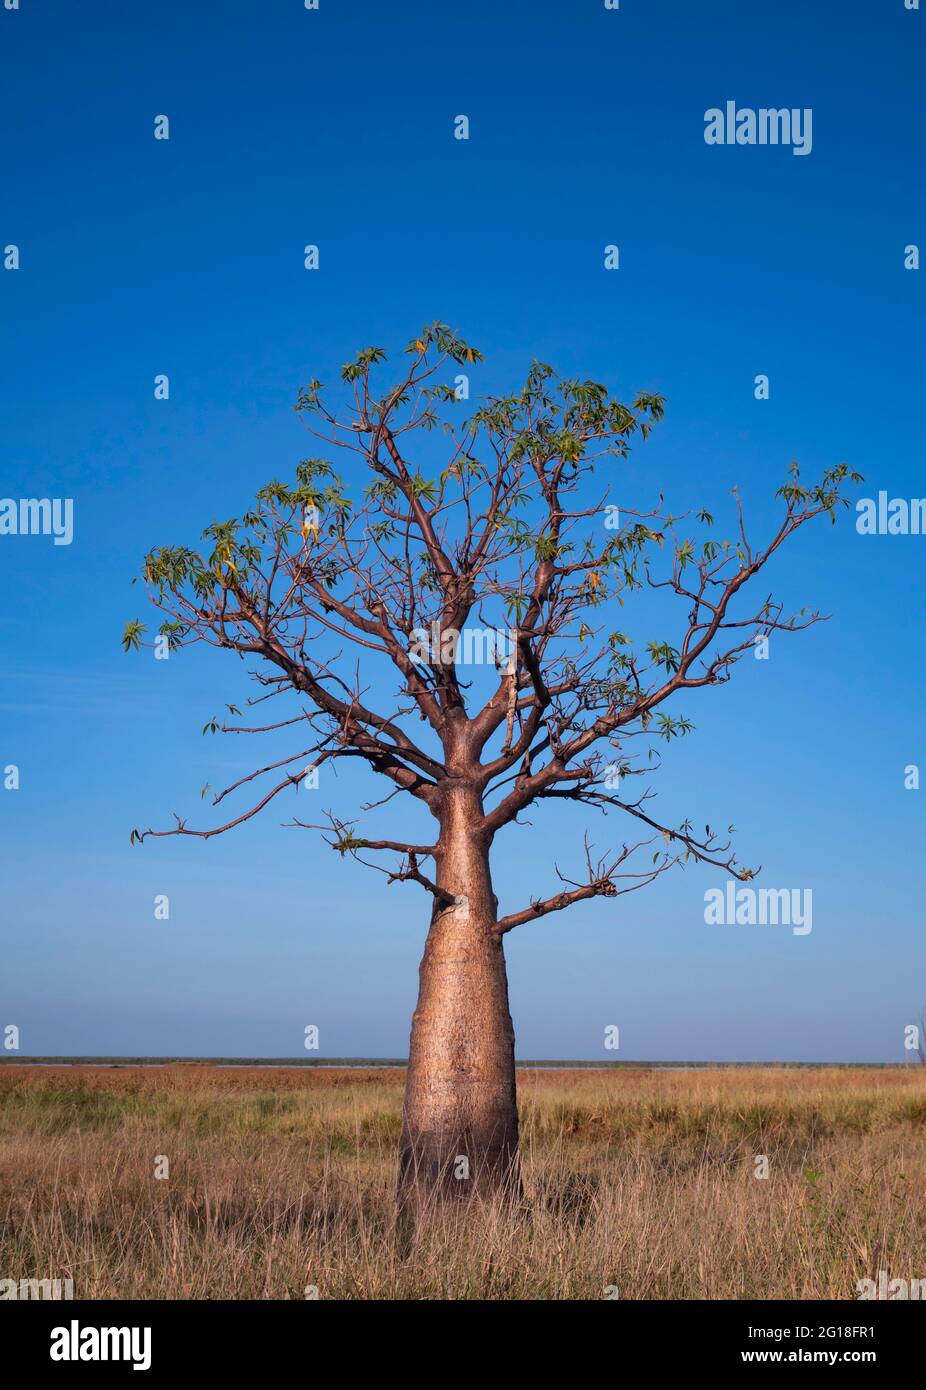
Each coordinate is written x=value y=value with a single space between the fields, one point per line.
x=283 y=1179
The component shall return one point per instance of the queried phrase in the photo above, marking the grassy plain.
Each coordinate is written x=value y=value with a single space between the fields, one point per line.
x=282 y=1178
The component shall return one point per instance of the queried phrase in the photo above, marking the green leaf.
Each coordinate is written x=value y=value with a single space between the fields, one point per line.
x=132 y=636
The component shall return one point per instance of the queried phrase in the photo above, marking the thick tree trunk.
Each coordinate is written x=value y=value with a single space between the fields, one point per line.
x=460 y=1129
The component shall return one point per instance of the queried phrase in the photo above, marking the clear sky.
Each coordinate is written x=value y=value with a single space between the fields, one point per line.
x=185 y=257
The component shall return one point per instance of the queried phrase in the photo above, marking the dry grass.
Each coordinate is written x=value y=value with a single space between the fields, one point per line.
x=640 y=1179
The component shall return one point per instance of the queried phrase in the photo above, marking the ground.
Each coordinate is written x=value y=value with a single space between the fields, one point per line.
x=639 y=1184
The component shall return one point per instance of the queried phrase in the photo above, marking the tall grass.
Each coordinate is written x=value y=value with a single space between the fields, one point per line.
x=643 y=1181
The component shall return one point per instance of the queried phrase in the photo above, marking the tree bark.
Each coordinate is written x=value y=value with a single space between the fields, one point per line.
x=460 y=1123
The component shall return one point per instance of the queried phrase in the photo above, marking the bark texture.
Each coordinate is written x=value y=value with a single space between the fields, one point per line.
x=460 y=1124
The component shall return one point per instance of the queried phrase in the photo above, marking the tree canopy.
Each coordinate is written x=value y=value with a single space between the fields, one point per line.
x=513 y=531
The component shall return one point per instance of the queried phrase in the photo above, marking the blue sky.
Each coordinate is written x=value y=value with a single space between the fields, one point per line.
x=184 y=257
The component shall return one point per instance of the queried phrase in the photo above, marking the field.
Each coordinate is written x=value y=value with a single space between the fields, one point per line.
x=642 y=1182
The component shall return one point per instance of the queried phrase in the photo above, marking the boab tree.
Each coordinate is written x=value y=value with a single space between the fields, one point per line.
x=507 y=531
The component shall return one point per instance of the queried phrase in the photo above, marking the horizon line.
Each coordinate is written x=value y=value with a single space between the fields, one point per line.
x=128 y=1059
